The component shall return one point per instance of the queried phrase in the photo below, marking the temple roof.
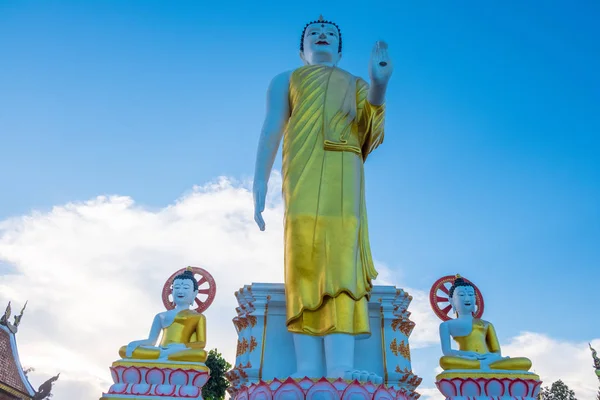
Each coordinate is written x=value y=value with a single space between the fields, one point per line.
x=12 y=377
x=13 y=381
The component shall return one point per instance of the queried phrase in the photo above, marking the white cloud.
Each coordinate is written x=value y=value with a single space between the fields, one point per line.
x=430 y=393
x=553 y=359
x=93 y=274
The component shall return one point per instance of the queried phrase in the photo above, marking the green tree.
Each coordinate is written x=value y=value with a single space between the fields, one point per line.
x=558 y=391
x=217 y=385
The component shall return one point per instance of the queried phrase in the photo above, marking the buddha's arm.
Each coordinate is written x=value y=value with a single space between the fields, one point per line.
x=200 y=342
x=371 y=119
x=152 y=338
x=278 y=113
x=446 y=341
x=377 y=93
x=492 y=340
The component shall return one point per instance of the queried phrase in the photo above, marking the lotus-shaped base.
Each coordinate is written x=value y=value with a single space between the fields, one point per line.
x=320 y=389
x=488 y=385
x=143 y=379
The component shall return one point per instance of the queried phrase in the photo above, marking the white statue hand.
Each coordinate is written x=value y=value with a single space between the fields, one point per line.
x=380 y=66
x=491 y=357
x=470 y=355
x=131 y=348
x=260 y=194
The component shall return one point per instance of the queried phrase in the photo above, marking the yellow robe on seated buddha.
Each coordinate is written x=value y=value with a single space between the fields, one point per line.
x=328 y=264
x=189 y=328
x=482 y=340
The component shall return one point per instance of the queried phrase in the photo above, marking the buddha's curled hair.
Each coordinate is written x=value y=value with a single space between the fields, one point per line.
x=188 y=274
x=458 y=282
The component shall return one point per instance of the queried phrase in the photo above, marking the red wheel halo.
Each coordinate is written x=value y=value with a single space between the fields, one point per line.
x=208 y=291
x=439 y=300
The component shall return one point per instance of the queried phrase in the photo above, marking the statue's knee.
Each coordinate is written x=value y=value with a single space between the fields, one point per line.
x=515 y=364
x=524 y=363
x=449 y=362
x=191 y=355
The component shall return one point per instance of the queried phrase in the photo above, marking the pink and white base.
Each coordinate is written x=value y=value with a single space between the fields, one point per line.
x=489 y=388
x=136 y=382
x=322 y=389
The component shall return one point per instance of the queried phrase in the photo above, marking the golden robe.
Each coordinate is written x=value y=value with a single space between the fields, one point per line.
x=482 y=340
x=328 y=264
x=189 y=328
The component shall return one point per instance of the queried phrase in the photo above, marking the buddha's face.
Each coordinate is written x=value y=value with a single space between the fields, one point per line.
x=463 y=300
x=321 y=42
x=183 y=292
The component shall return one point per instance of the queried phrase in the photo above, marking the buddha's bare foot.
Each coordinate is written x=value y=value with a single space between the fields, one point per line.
x=355 y=374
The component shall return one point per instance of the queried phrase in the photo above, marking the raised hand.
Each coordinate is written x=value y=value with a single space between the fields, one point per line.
x=380 y=66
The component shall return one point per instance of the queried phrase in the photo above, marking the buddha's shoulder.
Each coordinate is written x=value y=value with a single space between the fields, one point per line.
x=282 y=78
x=448 y=323
x=482 y=322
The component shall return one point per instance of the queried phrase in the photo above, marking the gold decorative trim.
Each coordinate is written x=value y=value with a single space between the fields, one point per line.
x=253 y=343
x=242 y=366
x=408 y=377
x=488 y=375
x=394 y=347
x=252 y=320
x=402 y=371
x=403 y=325
x=383 y=351
x=415 y=381
x=403 y=349
x=242 y=346
x=192 y=366
x=264 y=338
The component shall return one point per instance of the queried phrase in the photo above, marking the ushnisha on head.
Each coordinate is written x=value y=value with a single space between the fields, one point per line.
x=185 y=288
x=462 y=296
x=321 y=42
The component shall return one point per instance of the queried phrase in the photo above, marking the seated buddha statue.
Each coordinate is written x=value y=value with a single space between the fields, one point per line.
x=183 y=330
x=478 y=345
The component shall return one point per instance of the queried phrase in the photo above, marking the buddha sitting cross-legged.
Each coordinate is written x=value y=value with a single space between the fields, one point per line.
x=183 y=330
x=479 y=348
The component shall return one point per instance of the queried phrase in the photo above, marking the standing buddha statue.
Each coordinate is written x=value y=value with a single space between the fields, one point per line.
x=330 y=122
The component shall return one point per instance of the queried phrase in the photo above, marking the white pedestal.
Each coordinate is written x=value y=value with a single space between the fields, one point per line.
x=265 y=349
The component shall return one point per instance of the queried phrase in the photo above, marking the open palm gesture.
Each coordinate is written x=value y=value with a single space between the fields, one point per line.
x=380 y=66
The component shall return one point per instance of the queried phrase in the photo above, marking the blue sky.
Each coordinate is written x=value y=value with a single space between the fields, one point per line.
x=490 y=165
